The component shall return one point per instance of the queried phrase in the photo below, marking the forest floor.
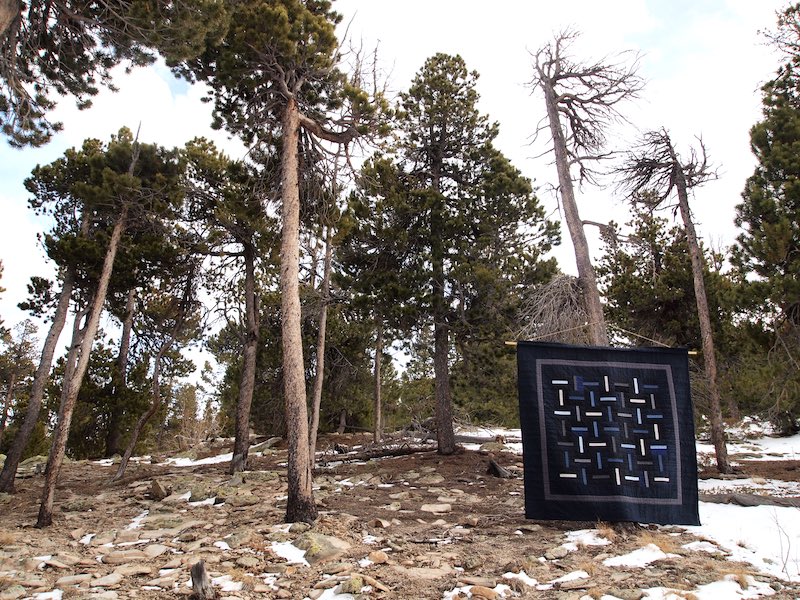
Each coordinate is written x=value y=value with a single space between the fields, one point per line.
x=414 y=526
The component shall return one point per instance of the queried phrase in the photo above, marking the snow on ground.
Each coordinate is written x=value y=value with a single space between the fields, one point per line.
x=188 y=462
x=767 y=537
x=638 y=558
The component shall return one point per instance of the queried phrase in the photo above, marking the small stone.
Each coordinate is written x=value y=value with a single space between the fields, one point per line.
x=479 y=591
x=432 y=479
x=134 y=569
x=299 y=527
x=321 y=548
x=12 y=593
x=556 y=553
x=380 y=523
x=378 y=557
x=77 y=534
x=248 y=562
x=74 y=579
x=155 y=550
x=106 y=595
x=436 y=508
x=352 y=585
x=108 y=581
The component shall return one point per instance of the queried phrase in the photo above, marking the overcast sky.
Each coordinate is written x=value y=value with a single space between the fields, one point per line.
x=704 y=62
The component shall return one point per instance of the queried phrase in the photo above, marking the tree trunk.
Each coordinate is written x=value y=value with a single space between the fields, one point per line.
x=7 y=405
x=300 y=502
x=73 y=384
x=342 y=422
x=120 y=379
x=323 y=323
x=155 y=404
x=40 y=380
x=247 y=382
x=706 y=334
x=377 y=433
x=9 y=10
x=598 y=335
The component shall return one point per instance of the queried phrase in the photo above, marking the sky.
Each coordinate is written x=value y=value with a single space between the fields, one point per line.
x=704 y=62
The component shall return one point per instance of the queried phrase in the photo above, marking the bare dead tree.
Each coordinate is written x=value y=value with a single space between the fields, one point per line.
x=654 y=166
x=581 y=101
x=555 y=312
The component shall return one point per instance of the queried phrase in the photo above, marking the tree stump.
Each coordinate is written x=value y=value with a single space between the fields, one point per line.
x=201 y=584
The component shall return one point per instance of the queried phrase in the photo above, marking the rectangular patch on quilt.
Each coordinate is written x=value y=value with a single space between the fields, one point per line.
x=607 y=434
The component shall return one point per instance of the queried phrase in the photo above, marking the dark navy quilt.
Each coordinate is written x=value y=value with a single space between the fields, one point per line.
x=607 y=434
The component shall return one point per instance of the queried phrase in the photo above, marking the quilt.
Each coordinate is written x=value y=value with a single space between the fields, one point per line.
x=607 y=434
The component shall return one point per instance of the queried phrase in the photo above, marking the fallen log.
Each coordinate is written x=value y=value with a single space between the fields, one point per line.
x=380 y=452
x=743 y=499
x=498 y=471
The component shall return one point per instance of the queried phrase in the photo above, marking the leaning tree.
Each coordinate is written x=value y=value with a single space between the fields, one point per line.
x=581 y=101
x=656 y=167
x=275 y=83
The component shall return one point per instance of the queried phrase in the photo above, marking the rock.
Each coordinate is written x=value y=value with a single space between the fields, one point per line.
x=120 y=557
x=321 y=548
x=433 y=479
x=108 y=581
x=479 y=591
x=299 y=527
x=492 y=447
x=379 y=523
x=238 y=538
x=477 y=581
x=106 y=537
x=351 y=586
x=77 y=534
x=243 y=499
x=13 y=592
x=134 y=569
x=378 y=557
x=626 y=594
x=248 y=562
x=74 y=579
x=426 y=573
x=158 y=491
x=106 y=595
x=556 y=553
x=436 y=508
x=155 y=550
x=77 y=504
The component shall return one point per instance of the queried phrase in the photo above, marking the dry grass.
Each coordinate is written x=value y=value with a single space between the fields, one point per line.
x=607 y=531
x=7 y=538
x=591 y=567
x=667 y=543
x=740 y=575
x=248 y=581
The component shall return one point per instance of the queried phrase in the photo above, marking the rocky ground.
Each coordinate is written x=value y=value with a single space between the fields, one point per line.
x=413 y=526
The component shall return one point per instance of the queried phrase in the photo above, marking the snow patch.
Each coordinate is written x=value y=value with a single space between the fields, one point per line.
x=638 y=558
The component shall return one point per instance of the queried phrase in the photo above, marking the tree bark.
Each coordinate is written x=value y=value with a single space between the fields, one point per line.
x=120 y=377
x=342 y=422
x=706 y=334
x=598 y=336
x=7 y=405
x=73 y=384
x=9 y=10
x=247 y=382
x=40 y=380
x=155 y=404
x=377 y=408
x=300 y=502
x=323 y=325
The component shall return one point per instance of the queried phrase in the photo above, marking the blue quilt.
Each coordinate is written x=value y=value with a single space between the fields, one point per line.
x=607 y=434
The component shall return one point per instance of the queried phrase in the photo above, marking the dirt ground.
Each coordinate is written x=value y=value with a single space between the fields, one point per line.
x=382 y=508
